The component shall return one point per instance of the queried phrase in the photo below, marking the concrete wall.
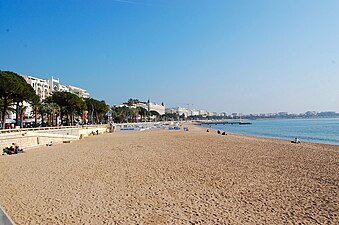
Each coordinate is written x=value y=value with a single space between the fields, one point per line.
x=27 y=139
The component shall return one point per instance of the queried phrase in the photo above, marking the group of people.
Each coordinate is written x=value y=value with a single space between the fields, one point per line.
x=13 y=149
x=218 y=132
x=95 y=132
x=223 y=133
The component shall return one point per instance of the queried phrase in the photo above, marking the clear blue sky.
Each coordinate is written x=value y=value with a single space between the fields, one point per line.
x=233 y=56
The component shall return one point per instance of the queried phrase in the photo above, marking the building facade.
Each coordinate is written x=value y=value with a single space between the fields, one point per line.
x=44 y=88
x=150 y=106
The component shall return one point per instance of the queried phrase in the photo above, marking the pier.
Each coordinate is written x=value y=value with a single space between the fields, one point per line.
x=224 y=122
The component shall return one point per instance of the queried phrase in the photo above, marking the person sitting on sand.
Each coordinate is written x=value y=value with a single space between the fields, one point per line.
x=296 y=141
x=15 y=148
x=207 y=130
x=218 y=132
x=223 y=133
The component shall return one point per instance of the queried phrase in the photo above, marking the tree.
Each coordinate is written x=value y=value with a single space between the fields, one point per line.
x=154 y=114
x=70 y=105
x=121 y=114
x=142 y=112
x=13 y=89
x=51 y=109
x=36 y=104
x=97 y=109
x=132 y=102
x=171 y=116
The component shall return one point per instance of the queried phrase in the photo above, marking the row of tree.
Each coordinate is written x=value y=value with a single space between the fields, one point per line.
x=66 y=106
x=14 y=91
x=132 y=112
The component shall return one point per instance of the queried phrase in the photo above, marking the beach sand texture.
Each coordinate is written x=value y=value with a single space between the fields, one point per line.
x=173 y=177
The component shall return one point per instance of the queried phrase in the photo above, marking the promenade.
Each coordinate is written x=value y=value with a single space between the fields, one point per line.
x=172 y=177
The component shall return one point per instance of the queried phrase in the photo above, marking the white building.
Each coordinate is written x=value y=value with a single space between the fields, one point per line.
x=179 y=111
x=44 y=88
x=55 y=85
x=150 y=106
x=171 y=110
x=203 y=112
x=188 y=112
x=194 y=112
x=40 y=86
x=82 y=93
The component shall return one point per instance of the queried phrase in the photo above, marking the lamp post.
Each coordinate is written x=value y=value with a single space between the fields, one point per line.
x=92 y=114
x=18 y=115
x=21 y=115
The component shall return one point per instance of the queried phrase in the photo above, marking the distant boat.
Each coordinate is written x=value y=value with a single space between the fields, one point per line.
x=244 y=123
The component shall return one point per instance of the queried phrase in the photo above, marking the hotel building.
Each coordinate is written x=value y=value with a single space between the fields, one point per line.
x=44 y=88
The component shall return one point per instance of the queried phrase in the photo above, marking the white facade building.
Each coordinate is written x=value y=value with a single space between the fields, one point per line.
x=44 y=88
x=194 y=112
x=187 y=112
x=40 y=86
x=160 y=108
x=171 y=110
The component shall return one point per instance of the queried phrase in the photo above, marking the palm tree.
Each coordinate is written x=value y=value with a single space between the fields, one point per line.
x=36 y=104
x=155 y=114
x=134 y=114
x=142 y=112
x=53 y=109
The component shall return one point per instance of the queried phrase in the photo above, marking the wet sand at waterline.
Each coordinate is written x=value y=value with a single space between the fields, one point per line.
x=172 y=177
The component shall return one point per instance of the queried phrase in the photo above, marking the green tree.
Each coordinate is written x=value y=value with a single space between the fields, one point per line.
x=142 y=112
x=132 y=102
x=36 y=105
x=70 y=105
x=155 y=114
x=121 y=114
x=13 y=89
x=51 y=109
x=96 y=109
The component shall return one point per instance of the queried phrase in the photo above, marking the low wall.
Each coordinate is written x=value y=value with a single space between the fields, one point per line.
x=27 y=139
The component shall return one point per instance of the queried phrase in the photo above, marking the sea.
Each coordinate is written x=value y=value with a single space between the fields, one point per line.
x=324 y=130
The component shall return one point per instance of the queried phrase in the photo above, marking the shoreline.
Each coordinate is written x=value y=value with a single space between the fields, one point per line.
x=176 y=177
x=273 y=139
x=303 y=139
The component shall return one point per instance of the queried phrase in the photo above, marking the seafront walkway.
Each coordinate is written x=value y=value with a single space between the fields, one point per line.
x=33 y=137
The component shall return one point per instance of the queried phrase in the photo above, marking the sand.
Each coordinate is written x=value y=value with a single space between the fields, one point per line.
x=173 y=177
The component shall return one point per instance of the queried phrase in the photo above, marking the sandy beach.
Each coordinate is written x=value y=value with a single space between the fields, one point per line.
x=173 y=177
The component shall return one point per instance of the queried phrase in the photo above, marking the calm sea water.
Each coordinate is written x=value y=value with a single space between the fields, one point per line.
x=312 y=130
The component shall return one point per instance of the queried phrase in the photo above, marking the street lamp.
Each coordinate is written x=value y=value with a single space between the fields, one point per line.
x=21 y=117
x=18 y=114
x=92 y=114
